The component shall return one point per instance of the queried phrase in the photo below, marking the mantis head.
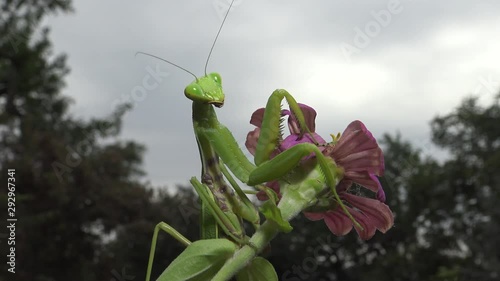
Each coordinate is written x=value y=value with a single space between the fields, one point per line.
x=206 y=89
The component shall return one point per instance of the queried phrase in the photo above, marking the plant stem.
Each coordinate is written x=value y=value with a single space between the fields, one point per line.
x=243 y=256
x=262 y=237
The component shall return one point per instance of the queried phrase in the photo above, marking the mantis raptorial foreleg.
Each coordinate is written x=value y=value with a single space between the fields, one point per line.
x=270 y=134
x=273 y=169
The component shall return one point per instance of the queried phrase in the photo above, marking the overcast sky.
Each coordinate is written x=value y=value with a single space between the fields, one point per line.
x=392 y=64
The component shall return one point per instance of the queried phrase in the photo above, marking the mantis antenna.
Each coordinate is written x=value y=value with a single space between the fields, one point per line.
x=217 y=36
x=209 y=54
x=178 y=66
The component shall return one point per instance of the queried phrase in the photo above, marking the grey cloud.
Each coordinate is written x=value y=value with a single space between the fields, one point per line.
x=102 y=37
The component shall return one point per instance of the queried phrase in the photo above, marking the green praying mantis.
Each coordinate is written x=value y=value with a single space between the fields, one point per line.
x=224 y=205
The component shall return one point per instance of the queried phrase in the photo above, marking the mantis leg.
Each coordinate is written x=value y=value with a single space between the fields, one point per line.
x=270 y=134
x=284 y=162
x=228 y=221
x=208 y=225
x=170 y=230
x=243 y=206
x=209 y=228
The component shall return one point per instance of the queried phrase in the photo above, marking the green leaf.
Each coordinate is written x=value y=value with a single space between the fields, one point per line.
x=200 y=261
x=258 y=270
x=273 y=213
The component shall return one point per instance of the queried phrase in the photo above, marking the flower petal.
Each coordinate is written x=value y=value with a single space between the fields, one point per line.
x=314 y=216
x=371 y=160
x=356 y=137
x=368 y=228
x=343 y=185
x=309 y=116
x=252 y=138
x=358 y=148
x=381 y=194
x=358 y=153
x=375 y=212
x=371 y=214
x=336 y=221
x=257 y=117
x=365 y=179
x=292 y=140
x=274 y=185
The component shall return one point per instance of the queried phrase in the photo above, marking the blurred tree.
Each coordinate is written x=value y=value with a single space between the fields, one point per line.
x=73 y=192
x=472 y=135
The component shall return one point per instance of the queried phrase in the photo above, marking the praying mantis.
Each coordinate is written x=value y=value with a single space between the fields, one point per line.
x=224 y=208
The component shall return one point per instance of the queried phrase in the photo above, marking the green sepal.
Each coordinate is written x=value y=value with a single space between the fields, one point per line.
x=259 y=269
x=271 y=211
x=200 y=261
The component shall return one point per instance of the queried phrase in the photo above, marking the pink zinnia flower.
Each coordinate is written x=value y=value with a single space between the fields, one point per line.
x=360 y=157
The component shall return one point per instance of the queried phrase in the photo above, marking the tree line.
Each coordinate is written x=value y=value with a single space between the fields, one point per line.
x=87 y=216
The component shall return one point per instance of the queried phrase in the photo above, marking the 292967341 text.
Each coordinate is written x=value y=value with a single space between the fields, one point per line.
x=11 y=220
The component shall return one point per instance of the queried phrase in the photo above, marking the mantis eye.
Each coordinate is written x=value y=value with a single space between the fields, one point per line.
x=193 y=91
x=216 y=77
